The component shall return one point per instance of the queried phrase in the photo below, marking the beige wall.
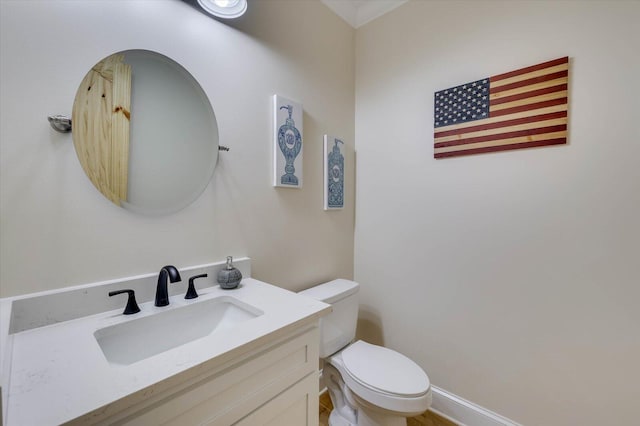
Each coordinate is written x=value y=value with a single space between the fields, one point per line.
x=512 y=278
x=57 y=230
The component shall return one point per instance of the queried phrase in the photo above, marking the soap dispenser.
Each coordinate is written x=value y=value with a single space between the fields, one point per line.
x=229 y=277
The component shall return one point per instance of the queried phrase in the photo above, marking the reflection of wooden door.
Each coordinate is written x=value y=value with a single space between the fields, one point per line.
x=101 y=114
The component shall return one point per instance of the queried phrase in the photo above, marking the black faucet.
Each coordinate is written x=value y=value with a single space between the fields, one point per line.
x=167 y=272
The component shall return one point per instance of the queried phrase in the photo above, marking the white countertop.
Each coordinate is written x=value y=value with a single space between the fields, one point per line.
x=59 y=373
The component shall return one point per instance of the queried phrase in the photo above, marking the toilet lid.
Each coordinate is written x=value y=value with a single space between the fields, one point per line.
x=385 y=370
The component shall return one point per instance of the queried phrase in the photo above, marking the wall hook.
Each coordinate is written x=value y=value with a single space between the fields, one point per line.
x=60 y=123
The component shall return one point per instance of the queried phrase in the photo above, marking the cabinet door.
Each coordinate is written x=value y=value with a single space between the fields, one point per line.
x=228 y=394
x=296 y=406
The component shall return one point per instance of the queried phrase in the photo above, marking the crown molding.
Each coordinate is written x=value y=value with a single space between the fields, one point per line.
x=359 y=12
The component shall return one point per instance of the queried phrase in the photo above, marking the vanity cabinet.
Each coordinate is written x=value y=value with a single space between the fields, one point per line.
x=272 y=383
x=250 y=358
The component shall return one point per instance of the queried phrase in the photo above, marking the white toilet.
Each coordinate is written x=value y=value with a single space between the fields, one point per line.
x=369 y=385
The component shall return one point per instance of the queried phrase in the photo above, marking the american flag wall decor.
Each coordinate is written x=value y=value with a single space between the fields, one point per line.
x=519 y=109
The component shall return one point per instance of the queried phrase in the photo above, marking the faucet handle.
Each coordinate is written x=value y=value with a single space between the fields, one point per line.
x=132 y=306
x=191 y=291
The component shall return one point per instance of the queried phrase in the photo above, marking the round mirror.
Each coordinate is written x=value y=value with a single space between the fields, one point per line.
x=145 y=132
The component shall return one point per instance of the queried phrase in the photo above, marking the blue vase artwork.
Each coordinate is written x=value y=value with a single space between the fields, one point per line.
x=333 y=173
x=287 y=143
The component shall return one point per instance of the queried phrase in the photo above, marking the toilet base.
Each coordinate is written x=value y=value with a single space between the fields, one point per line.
x=350 y=410
x=365 y=418
x=335 y=419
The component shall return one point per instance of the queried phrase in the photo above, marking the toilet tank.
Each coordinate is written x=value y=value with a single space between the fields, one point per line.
x=338 y=328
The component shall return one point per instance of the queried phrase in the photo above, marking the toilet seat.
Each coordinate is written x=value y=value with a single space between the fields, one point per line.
x=381 y=377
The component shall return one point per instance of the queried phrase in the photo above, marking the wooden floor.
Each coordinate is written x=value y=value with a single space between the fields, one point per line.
x=427 y=419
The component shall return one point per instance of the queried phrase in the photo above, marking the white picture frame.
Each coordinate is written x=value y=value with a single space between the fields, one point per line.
x=288 y=143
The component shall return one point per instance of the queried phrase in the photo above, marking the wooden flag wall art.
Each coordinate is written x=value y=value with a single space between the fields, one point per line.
x=519 y=109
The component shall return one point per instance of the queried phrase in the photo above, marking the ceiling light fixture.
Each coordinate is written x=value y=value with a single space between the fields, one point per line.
x=227 y=9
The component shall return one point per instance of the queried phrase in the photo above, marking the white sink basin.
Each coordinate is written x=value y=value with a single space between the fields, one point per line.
x=138 y=339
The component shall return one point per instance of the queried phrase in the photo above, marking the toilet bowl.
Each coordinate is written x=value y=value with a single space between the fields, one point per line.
x=379 y=386
x=369 y=385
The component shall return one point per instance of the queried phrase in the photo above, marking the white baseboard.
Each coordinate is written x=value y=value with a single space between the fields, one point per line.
x=463 y=412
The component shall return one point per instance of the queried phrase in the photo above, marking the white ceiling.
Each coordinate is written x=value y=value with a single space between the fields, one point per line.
x=359 y=12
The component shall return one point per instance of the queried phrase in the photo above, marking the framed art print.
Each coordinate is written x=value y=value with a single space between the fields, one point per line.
x=287 y=143
x=333 y=173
